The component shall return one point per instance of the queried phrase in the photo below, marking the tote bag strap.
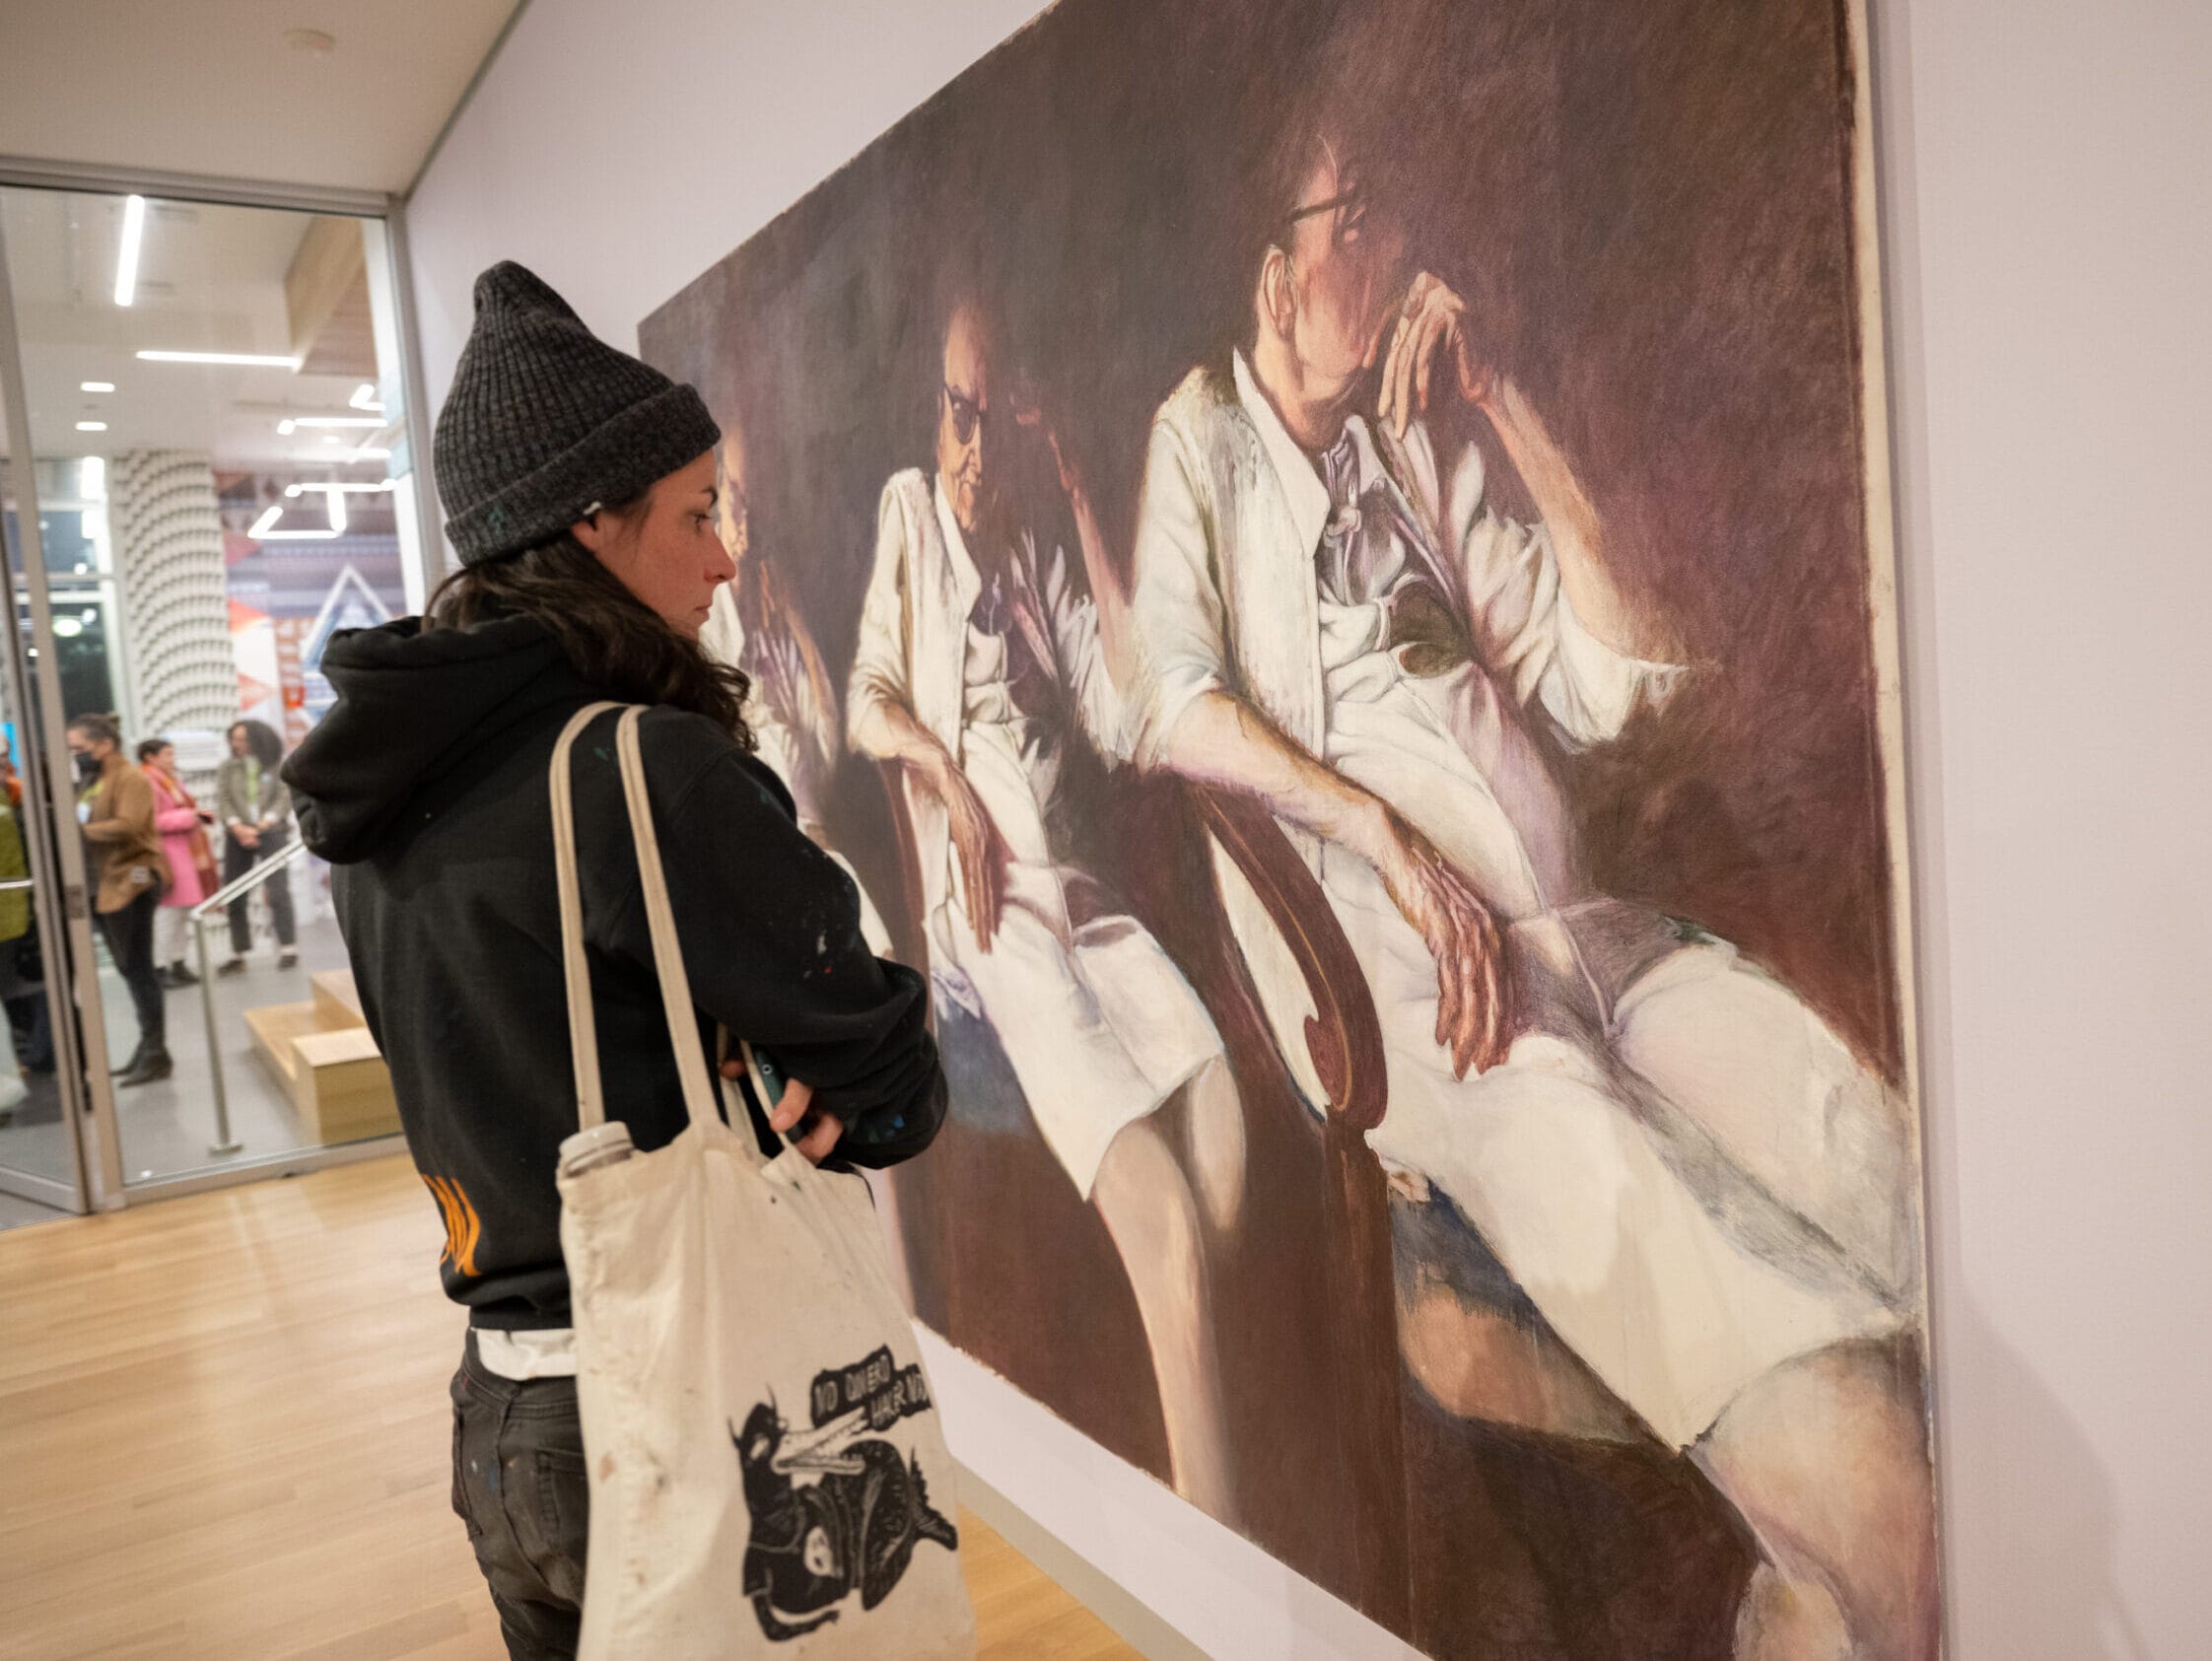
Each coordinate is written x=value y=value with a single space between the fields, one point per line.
x=667 y=954
x=584 y=1027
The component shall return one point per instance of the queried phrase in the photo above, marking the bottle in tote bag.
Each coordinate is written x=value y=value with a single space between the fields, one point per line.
x=767 y=1468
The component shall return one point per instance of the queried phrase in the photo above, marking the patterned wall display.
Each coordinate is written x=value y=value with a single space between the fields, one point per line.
x=169 y=557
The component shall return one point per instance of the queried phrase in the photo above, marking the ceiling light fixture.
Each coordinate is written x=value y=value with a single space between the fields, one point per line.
x=96 y=385
x=92 y=426
x=365 y=397
x=126 y=262
x=265 y=529
x=346 y=487
x=248 y=360
x=332 y=421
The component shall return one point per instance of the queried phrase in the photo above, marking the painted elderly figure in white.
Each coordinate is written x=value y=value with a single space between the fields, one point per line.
x=792 y=706
x=980 y=663
x=1709 y=1198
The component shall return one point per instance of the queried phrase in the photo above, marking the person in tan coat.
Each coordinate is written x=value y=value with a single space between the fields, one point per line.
x=115 y=804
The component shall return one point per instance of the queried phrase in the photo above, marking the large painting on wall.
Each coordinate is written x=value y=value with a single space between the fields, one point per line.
x=1326 y=568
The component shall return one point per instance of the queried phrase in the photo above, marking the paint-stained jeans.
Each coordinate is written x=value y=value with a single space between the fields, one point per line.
x=518 y=1484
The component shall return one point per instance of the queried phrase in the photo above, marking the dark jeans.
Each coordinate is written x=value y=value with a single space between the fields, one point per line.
x=518 y=1484
x=131 y=940
x=237 y=861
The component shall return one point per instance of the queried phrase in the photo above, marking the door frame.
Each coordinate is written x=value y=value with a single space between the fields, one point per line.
x=57 y=862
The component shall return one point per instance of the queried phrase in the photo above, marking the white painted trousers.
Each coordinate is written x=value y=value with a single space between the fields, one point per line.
x=1689 y=1173
x=1098 y=1024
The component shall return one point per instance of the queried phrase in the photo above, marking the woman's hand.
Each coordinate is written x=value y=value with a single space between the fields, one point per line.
x=820 y=1127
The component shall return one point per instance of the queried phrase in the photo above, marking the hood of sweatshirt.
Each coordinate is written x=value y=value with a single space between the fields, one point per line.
x=412 y=708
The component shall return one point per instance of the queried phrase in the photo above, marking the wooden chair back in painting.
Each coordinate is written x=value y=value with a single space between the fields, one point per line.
x=1344 y=1041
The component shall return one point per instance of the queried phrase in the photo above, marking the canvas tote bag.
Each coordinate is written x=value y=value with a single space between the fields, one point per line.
x=768 y=1473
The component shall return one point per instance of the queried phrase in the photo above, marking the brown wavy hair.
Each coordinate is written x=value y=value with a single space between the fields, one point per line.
x=611 y=639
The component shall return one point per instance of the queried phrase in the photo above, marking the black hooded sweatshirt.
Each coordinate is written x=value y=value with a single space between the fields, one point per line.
x=425 y=787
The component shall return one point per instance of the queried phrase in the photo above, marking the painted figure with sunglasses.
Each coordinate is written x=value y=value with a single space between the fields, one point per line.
x=1698 y=1184
x=981 y=662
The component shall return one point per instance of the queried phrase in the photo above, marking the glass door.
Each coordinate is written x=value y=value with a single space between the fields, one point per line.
x=216 y=451
x=42 y=1106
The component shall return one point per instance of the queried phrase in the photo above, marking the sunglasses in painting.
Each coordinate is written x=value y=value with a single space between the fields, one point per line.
x=967 y=415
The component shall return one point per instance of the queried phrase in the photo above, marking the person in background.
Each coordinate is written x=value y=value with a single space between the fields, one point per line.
x=16 y=927
x=10 y=779
x=184 y=824
x=115 y=806
x=257 y=812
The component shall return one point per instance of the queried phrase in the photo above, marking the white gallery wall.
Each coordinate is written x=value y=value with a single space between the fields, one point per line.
x=2046 y=171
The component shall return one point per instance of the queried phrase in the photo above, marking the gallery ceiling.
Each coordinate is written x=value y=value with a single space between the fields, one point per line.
x=301 y=92
x=208 y=278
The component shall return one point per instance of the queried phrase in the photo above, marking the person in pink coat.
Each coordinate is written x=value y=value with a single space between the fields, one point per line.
x=184 y=824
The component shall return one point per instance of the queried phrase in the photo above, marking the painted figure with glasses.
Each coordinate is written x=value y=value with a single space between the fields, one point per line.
x=980 y=663
x=1705 y=1193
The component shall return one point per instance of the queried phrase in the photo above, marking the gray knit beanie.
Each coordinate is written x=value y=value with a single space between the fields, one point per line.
x=544 y=419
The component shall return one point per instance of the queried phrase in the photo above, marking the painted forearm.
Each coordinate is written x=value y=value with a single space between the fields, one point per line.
x=887 y=729
x=1220 y=739
x=1577 y=532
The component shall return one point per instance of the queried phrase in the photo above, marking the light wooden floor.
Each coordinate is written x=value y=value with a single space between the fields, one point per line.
x=224 y=1432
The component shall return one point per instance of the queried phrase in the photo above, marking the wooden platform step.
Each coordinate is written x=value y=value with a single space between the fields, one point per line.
x=330 y=1067
x=337 y=1000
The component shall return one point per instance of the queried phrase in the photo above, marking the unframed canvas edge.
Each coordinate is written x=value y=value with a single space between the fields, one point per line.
x=1884 y=576
x=1083 y=1580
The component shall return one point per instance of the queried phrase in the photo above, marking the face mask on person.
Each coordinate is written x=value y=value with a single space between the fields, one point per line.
x=88 y=767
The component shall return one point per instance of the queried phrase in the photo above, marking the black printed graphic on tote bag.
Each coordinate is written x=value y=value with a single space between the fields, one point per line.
x=852 y=1524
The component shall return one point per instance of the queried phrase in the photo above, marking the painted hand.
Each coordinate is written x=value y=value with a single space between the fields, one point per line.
x=1463 y=936
x=978 y=846
x=1027 y=413
x=1432 y=319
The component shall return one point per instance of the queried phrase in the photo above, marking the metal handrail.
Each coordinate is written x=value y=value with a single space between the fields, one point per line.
x=263 y=870
x=220 y=899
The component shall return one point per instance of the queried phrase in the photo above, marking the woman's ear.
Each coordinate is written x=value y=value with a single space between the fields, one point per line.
x=592 y=530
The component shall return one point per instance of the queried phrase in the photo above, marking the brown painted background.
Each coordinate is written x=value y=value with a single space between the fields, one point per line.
x=1647 y=203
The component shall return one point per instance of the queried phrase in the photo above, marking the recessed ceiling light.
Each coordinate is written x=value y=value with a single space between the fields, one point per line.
x=92 y=426
x=265 y=529
x=250 y=360
x=348 y=487
x=313 y=41
x=126 y=262
x=96 y=385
